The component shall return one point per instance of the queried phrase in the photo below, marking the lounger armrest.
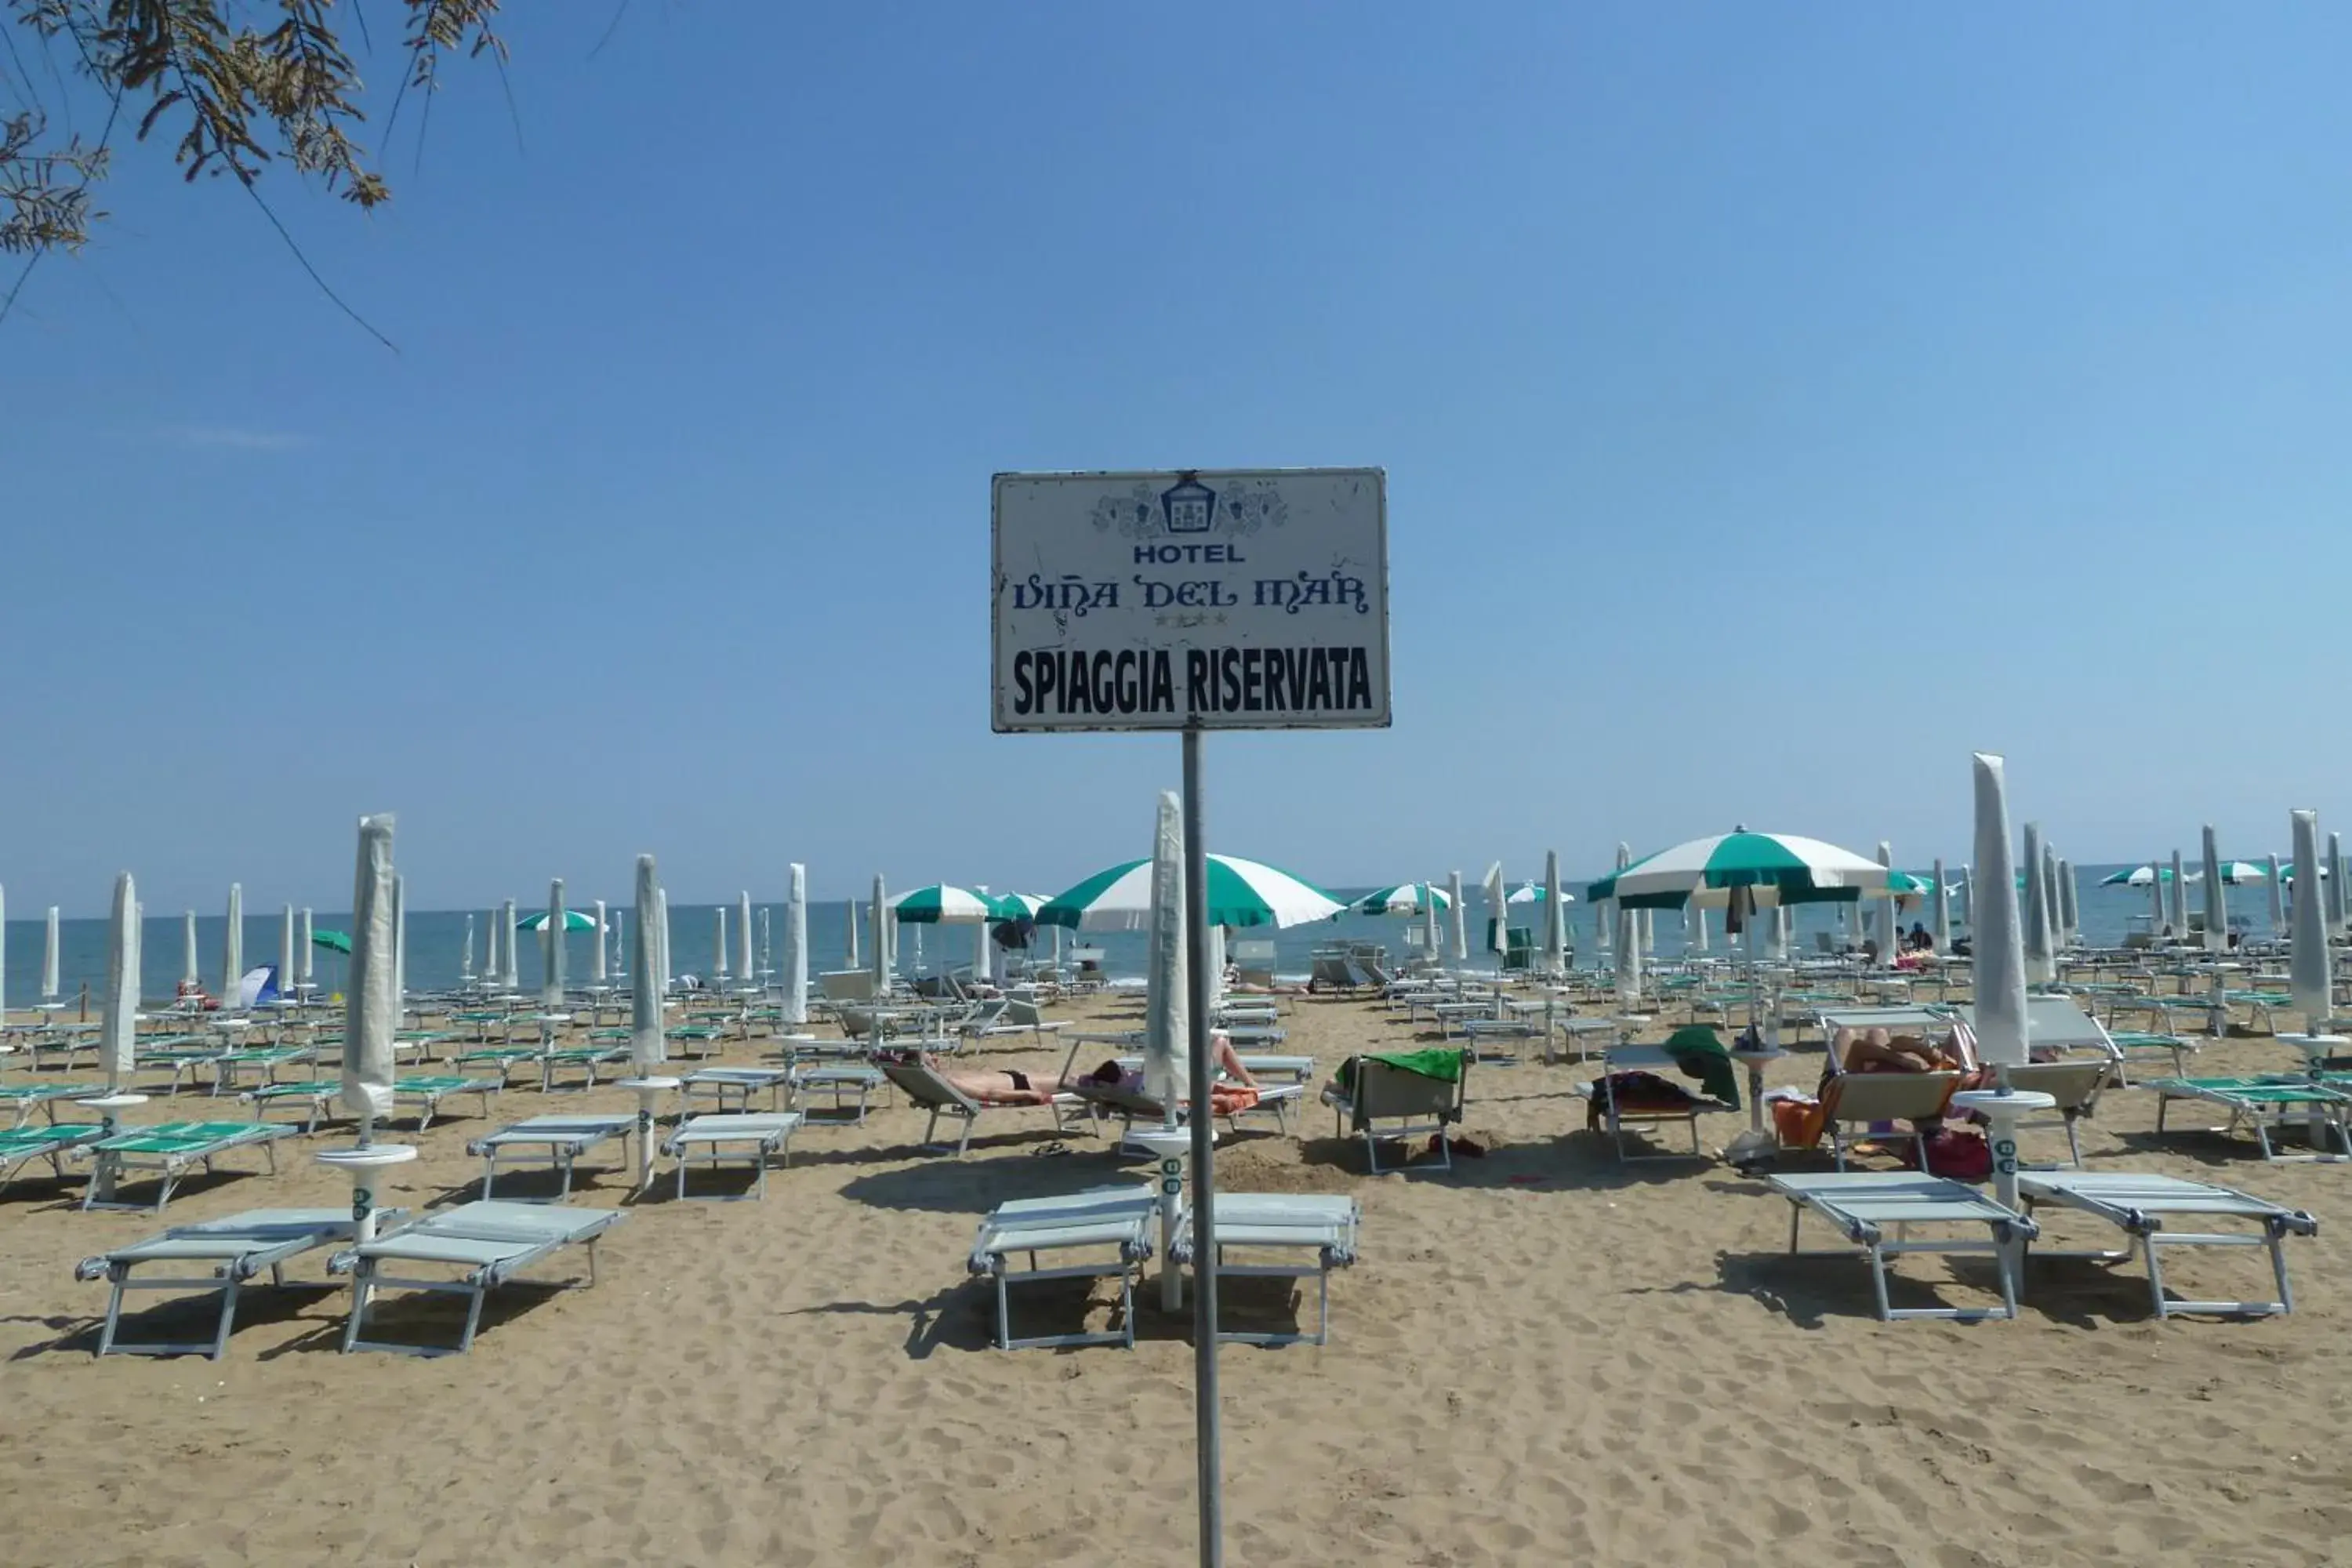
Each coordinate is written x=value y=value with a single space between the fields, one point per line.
x=344 y=1261
x=90 y=1269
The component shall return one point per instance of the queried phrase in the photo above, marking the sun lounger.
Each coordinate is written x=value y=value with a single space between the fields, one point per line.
x=502 y=1058
x=183 y=1055
x=554 y=1141
x=169 y=1148
x=267 y=1059
x=1415 y=1105
x=2179 y=1048
x=930 y=1092
x=1117 y=1218
x=587 y=1058
x=235 y=1249
x=1132 y=1105
x=841 y=1080
x=752 y=1136
x=20 y=1145
x=427 y=1090
x=739 y=1085
x=489 y=1243
x=1617 y=1115
x=2138 y=1204
x=2267 y=1104
x=1324 y=1227
x=1865 y=1205
x=28 y=1096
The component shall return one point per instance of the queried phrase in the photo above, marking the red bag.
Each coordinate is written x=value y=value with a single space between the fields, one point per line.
x=1960 y=1154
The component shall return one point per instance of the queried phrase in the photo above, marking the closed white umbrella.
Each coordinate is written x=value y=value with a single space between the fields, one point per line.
x=1884 y=914
x=1694 y=928
x=648 y=1047
x=661 y=902
x=118 y=1020
x=302 y=955
x=767 y=949
x=233 y=948
x=619 y=954
x=2310 y=970
x=851 y=947
x=286 y=952
x=881 y=915
x=466 y=953
x=2050 y=901
x=1498 y=914
x=746 y=968
x=2041 y=954
x=1629 y=941
x=1967 y=892
x=2278 y=894
x=512 y=973
x=983 y=954
x=2002 y=971
x=550 y=935
x=190 y=969
x=1168 y=1001
x=2155 y=894
x=4 y=956
x=372 y=1005
x=1431 y=942
x=399 y=949
x=2217 y=900
x=718 y=943
x=2069 y=908
x=1943 y=897
x=1555 y=916
x=597 y=971
x=49 y=957
x=2335 y=900
x=1461 y=919
x=796 y=973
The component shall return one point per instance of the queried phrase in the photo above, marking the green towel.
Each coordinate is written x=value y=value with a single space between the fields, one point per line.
x=1439 y=1062
x=1698 y=1054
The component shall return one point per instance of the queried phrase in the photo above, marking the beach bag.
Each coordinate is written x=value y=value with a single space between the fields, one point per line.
x=1959 y=1154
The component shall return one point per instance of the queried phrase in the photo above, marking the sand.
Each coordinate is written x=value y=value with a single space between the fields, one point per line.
x=1544 y=1356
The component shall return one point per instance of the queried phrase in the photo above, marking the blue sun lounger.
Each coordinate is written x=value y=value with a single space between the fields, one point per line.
x=1320 y=1225
x=1876 y=1210
x=1113 y=1220
x=2138 y=1204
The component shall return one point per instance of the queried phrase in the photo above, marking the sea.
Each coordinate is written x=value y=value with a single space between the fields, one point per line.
x=438 y=940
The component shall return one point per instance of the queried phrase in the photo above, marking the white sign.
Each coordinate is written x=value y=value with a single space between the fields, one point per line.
x=1235 y=600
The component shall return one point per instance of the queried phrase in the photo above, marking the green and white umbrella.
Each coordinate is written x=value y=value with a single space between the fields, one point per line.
x=1533 y=893
x=1775 y=867
x=941 y=905
x=2243 y=873
x=1404 y=898
x=1240 y=893
x=2137 y=877
x=574 y=920
x=1016 y=906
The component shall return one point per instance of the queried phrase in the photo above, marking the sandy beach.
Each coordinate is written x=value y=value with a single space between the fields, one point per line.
x=1543 y=1355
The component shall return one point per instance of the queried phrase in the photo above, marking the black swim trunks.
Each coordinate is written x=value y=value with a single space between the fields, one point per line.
x=1020 y=1081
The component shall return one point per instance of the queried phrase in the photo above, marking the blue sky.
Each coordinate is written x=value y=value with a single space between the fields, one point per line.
x=1778 y=403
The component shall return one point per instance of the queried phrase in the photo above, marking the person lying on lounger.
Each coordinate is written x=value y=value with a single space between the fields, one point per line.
x=1013 y=1088
x=1876 y=1050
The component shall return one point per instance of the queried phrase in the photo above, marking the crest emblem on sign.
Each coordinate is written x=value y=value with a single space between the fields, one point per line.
x=1190 y=507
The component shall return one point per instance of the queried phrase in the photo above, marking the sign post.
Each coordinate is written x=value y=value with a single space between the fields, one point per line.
x=1193 y=601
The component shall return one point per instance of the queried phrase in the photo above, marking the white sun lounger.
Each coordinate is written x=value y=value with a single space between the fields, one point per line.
x=753 y=1136
x=1118 y=1218
x=1865 y=1205
x=1132 y=1106
x=935 y=1094
x=552 y=1141
x=234 y=1249
x=2138 y=1204
x=1382 y=1093
x=1322 y=1225
x=487 y=1242
x=737 y=1084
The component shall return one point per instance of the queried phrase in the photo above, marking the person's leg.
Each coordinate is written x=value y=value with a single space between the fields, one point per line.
x=1229 y=1062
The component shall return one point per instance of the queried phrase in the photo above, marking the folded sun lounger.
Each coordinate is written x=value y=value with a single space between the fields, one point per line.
x=489 y=1243
x=233 y=1249
x=1865 y=1205
x=1323 y=1227
x=2138 y=1204
x=554 y=1141
x=1116 y=1218
x=753 y=1137
x=169 y=1148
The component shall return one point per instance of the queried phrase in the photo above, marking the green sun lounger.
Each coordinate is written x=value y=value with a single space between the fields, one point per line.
x=2267 y=1104
x=235 y=1249
x=28 y=1096
x=487 y=1243
x=587 y=1058
x=21 y=1145
x=502 y=1058
x=169 y=1149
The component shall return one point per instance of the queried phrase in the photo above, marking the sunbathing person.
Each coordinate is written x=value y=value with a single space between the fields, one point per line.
x=1876 y=1050
x=1009 y=1086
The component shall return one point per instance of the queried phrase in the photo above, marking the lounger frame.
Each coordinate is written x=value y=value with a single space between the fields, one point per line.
x=1119 y=1218
x=718 y=1136
x=487 y=1258
x=2137 y=1206
x=236 y=1255
x=1839 y=1200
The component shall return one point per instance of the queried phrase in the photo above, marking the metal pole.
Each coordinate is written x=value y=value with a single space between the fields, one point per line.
x=1204 y=1184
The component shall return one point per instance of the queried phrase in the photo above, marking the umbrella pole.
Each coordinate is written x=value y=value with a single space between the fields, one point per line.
x=1205 y=1243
